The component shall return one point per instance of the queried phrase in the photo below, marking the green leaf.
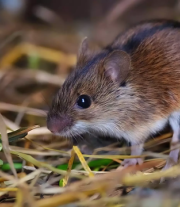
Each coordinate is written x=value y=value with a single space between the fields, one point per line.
x=6 y=166
x=61 y=183
x=1 y=163
x=33 y=61
x=97 y=169
x=91 y=164
x=99 y=163
x=65 y=166
x=0 y=146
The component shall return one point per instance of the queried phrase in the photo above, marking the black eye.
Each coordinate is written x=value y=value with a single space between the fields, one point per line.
x=123 y=84
x=84 y=101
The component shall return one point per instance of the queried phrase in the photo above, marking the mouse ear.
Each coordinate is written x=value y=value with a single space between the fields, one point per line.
x=87 y=51
x=117 y=65
x=84 y=50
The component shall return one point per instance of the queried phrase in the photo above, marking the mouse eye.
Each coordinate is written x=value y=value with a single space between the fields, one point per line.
x=84 y=101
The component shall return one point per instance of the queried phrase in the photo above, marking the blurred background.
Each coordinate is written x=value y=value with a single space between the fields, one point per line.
x=39 y=40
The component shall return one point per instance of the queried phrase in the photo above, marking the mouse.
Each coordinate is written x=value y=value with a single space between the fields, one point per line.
x=128 y=89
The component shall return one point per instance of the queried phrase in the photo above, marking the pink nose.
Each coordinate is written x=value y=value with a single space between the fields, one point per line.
x=58 y=124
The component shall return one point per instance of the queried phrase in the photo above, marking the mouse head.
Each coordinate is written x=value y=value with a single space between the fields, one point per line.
x=88 y=98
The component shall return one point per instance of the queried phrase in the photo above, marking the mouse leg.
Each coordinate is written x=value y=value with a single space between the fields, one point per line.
x=135 y=150
x=174 y=154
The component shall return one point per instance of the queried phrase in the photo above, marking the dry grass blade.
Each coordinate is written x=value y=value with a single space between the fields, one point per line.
x=8 y=59
x=6 y=176
x=22 y=180
x=39 y=76
x=10 y=38
x=16 y=108
x=39 y=131
x=105 y=182
x=36 y=152
x=5 y=144
x=61 y=199
x=24 y=197
x=13 y=183
x=50 y=54
x=10 y=124
x=8 y=189
x=86 y=187
x=83 y=162
x=99 y=202
x=114 y=156
x=157 y=140
x=141 y=179
x=25 y=130
x=47 y=148
x=70 y=163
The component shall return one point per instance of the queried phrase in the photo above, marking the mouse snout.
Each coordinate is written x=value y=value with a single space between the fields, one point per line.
x=58 y=124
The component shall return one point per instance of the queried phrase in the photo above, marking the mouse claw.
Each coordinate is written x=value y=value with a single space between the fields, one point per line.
x=133 y=161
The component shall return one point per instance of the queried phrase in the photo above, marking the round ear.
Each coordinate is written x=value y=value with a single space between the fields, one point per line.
x=116 y=66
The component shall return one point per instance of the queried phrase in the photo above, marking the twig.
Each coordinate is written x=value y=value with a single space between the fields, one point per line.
x=39 y=76
x=16 y=108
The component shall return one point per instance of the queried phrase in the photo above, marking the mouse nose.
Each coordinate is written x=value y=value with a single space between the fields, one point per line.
x=58 y=124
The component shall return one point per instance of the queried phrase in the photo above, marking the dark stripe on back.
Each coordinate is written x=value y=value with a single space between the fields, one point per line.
x=132 y=44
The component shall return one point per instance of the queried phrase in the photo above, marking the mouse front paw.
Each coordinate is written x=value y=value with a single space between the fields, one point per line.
x=133 y=161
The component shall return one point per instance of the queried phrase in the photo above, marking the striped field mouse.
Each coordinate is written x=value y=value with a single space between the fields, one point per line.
x=129 y=89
